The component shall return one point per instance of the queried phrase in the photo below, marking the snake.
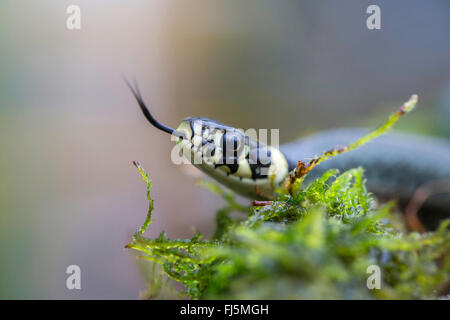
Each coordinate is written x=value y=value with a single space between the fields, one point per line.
x=395 y=165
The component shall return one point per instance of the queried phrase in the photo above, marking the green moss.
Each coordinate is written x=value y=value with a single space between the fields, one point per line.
x=316 y=244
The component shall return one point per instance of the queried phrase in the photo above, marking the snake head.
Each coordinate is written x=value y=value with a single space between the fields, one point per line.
x=236 y=159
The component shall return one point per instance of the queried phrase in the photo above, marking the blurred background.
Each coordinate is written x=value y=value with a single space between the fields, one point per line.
x=70 y=128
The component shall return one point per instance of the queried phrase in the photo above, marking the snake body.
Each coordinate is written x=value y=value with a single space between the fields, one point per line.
x=395 y=165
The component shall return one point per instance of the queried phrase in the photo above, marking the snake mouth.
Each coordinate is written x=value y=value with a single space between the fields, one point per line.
x=148 y=115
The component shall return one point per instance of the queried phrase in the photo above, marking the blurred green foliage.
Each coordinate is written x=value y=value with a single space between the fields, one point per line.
x=316 y=244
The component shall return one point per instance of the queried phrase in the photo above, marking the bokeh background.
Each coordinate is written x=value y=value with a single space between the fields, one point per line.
x=69 y=127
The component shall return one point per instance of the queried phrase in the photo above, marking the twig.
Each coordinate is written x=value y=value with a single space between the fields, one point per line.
x=302 y=169
x=419 y=198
